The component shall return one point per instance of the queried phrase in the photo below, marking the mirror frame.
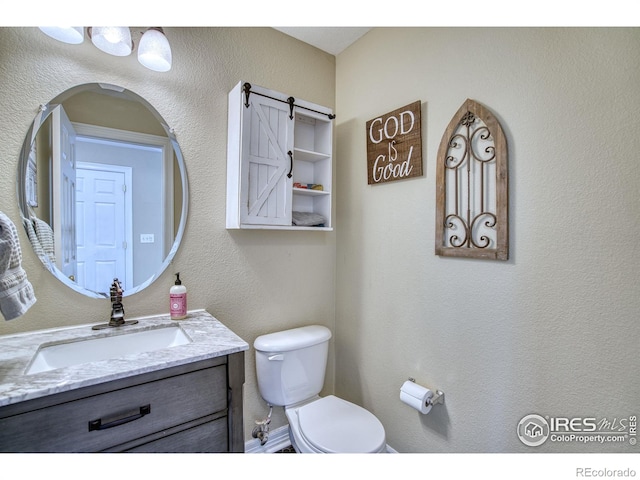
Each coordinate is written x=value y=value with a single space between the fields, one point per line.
x=44 y=112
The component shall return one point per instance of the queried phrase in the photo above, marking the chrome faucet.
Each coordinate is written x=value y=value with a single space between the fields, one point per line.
x=117 y=309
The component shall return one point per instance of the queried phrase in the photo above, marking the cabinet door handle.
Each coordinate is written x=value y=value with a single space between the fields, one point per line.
x=290 y=153
x=97 y=424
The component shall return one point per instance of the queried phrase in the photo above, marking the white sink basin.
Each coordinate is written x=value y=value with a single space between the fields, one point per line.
x=88 y=350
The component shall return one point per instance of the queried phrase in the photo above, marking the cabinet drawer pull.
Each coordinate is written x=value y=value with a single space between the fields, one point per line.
x=97 y=424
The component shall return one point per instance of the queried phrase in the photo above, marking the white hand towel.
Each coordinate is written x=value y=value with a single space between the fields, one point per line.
x=307 y=219
x=33 y=238
x=45 y=238
x=16 y=293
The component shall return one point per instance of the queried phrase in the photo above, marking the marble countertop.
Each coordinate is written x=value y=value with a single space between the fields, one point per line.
x=209 y=339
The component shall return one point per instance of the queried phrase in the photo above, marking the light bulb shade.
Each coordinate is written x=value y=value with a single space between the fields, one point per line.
x=154 y=51
x=112 y=40
x=73 y=35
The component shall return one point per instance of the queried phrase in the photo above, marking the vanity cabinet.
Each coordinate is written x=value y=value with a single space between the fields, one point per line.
x=279 y=161
x=196 y=407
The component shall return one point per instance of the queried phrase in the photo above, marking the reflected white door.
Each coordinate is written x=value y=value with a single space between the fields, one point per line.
x=64 y=188
x=103 y=216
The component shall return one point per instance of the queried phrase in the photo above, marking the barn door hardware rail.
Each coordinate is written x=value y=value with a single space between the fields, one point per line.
x=291 y=101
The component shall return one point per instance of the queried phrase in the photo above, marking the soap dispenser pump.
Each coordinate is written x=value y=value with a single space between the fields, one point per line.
x=178 y=300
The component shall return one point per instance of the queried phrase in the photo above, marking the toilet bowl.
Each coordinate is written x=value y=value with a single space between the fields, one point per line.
x=290 y=367
x=333 y=425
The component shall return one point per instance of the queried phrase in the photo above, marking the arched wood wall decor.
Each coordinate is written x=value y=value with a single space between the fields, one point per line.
x=472 y=187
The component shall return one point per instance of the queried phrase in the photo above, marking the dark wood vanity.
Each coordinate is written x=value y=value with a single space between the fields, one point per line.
x=195 y=407
x=185 y=398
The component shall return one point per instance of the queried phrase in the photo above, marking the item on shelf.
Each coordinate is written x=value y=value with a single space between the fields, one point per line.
x=307 y=219
x=308 y=186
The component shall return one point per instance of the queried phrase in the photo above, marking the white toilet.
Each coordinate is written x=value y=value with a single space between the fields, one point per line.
x=290 y=367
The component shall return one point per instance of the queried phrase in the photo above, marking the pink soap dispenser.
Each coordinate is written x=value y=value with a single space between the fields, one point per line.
x=178 y=300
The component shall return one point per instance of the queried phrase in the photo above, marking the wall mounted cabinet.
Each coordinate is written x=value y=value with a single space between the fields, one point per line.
x=279 y=161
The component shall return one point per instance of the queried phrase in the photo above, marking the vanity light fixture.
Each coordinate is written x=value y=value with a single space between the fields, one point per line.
x=72 y=35
x=154 y=51
x=112 y=40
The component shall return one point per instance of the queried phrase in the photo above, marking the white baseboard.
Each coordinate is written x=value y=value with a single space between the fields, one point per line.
x=278 y=439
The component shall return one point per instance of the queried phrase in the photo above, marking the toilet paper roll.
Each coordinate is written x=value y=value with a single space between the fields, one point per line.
x=416 y=396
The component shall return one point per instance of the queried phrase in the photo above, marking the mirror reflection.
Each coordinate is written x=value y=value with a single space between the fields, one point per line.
x=103 y=191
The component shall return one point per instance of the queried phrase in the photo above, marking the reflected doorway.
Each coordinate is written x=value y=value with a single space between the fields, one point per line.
x=103 y=225
x=123 y=214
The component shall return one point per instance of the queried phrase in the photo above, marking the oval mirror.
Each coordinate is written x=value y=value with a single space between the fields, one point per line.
x=102 y=188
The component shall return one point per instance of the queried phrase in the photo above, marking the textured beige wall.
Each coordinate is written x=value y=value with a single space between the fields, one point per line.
x=254 y=282
x=555 y=329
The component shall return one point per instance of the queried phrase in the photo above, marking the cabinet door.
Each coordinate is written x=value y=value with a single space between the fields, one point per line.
x=267 y=143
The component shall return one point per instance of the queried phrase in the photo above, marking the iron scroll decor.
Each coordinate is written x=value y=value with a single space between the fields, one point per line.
x=472 y=187
x=394 y=145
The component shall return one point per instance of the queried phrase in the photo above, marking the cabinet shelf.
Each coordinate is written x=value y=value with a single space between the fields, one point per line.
x=310 y=192
x=288 y=227
x=308 y=155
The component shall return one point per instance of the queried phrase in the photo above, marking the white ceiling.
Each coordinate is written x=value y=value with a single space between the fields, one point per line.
x=332 y=40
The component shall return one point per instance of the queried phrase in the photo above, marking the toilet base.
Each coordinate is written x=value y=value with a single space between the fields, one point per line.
x=294 y=444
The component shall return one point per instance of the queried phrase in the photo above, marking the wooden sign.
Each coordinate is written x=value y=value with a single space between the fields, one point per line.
x=394 y=145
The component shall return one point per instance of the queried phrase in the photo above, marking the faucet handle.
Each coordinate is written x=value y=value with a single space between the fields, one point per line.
x=116 y=291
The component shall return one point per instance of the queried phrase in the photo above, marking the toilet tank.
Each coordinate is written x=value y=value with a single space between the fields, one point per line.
x=290 y=365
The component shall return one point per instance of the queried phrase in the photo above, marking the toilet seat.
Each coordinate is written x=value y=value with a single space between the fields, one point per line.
x=333 y=425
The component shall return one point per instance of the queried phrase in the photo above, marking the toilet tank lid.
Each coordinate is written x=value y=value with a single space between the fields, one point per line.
x=292 y=339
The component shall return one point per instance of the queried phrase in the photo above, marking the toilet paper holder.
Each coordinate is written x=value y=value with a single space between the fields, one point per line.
x=438 y=395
